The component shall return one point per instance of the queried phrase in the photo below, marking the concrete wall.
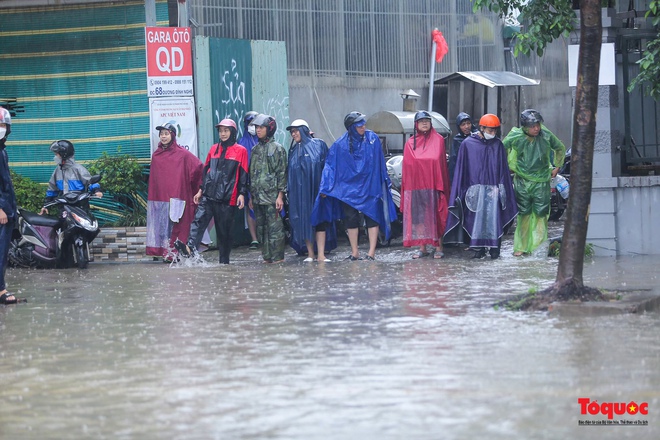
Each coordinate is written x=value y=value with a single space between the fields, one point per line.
x=324 y=103
x=638 y=215
x=624 y=212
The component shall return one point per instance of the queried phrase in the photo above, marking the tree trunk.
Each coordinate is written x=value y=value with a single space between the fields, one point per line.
x=571 y=258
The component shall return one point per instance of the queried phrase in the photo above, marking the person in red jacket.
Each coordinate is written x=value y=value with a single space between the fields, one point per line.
x=223 y=190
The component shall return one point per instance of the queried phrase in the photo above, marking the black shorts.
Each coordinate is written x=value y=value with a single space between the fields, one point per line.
x=352 y=218
x=321 y=227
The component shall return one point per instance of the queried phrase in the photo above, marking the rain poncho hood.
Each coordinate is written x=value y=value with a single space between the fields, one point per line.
x=424 y=189
x=459 y=137
x=248 y=140
x=462 y=116
x=175 y=177
x=306 y=162
x=355 y=173
x=482 y=202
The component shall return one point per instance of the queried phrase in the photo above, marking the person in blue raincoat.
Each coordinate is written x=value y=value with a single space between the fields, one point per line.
x=249 y=140
x=8 y=207
x=306 y=160
x=355 y=180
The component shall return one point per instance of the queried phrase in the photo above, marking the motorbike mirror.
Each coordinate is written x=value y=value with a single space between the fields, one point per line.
x=95 y=179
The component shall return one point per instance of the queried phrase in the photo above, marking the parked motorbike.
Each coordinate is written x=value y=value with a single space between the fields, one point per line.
x=47 y=242
x=394 y=170
x=559 y=189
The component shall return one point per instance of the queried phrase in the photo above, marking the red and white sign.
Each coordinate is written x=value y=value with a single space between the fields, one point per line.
x=169 y=62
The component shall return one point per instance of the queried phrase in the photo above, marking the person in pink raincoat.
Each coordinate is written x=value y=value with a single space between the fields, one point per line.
x=424 y=189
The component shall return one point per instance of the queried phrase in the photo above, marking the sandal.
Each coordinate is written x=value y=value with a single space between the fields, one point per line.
x=419 y=254
x=184 y=249
x=10 y=298
x=438 y=255
x=254 y=245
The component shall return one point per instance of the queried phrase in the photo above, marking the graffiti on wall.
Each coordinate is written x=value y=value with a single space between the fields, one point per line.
x=278 y=108
x=233 y=100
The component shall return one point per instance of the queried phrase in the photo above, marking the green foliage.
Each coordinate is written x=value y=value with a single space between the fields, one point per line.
x=544 y=21
x=125 y=193
x=589 y=250
x=29 y=194
x=122 y=174
x=649 y=67
x=555 y=247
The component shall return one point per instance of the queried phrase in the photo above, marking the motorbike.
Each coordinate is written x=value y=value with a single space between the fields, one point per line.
x=559 y=189
x=63 y=241
x=394 y=170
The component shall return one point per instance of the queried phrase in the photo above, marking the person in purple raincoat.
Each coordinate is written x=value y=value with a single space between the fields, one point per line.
x=482 y=204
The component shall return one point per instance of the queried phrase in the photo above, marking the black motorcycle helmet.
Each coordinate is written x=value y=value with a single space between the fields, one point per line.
x=266 y=121
x=249 y=116
x=352 y=118
x=169 y=127
x=64 y=148
x=422 y=114
x=530 y=117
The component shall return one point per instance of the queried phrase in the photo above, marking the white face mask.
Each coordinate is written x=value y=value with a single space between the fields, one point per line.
x=3 y=131
x=252 y=130
x=57 y=159
x=488 y=136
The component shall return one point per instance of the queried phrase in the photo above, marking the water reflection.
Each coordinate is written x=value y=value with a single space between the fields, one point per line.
x=391 y=349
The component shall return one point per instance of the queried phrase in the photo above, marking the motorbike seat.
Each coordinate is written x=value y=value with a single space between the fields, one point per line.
x=39 y=220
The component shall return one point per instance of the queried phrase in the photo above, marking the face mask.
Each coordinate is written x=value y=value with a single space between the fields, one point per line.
x=3 y=131
x=252 y=130
x=488 y=136
x=58 y=160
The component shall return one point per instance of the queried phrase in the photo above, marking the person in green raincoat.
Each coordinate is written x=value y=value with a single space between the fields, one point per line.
x=535 y=155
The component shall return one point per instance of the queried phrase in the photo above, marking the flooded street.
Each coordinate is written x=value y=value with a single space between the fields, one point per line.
x=392 y=349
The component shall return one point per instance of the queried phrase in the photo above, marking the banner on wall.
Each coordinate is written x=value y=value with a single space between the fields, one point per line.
x=179 y=112
x=169 y=62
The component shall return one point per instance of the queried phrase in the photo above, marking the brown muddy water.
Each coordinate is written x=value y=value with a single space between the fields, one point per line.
x=392 y=349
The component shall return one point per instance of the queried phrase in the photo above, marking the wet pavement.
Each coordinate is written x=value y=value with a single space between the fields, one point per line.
x=392 y=349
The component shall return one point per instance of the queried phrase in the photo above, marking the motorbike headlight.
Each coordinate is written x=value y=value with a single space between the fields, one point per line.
x=90 y=226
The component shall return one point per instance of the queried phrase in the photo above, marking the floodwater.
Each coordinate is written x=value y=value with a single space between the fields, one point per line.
x=392 y=349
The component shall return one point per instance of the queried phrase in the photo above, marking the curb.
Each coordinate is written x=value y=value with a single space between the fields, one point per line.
x=634 y=301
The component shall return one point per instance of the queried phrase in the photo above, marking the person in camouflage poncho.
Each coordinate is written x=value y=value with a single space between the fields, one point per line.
x=267 y=185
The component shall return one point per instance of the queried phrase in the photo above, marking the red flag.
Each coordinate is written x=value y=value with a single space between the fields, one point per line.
x=441 y=46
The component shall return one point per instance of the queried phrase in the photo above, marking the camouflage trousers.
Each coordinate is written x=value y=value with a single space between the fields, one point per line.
x=270 y=232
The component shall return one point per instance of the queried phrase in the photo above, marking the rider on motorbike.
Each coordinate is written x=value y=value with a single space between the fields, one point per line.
x=68 y=175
